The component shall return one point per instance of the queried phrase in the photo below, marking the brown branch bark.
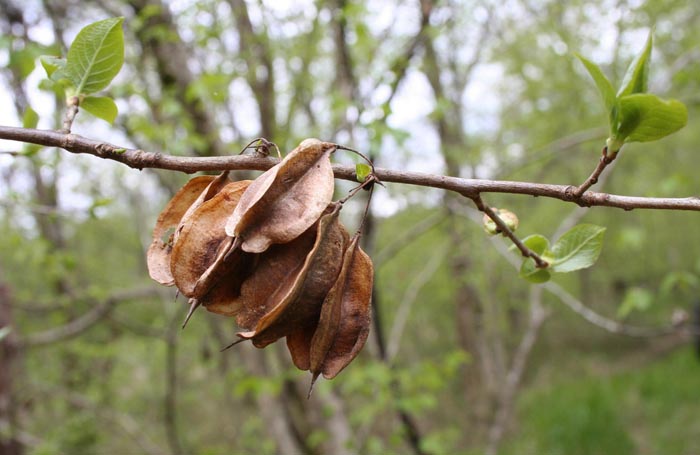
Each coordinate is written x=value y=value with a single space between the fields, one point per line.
x=140 y=159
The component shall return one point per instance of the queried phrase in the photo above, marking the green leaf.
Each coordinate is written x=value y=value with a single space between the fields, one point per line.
x=645 y=117
x=635 y=80
x=96 y=56
x=52 y=64
x=537 y=243
x=530 y=272
x=578 y=248
x=362 y=171
x=101 y=107
x=30 y=119
x=635 y=299
x=605 y=88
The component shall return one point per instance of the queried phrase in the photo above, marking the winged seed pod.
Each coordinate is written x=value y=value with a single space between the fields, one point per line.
x=298 y=298
x=158 y=255
x=345 y=318
x=201 y=239
x=285 y=200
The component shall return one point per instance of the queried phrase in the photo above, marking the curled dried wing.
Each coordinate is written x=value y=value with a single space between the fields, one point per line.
x=202 y=237
x=298 y=299
x=158 y=255
x=287 y=200
x=345 y=317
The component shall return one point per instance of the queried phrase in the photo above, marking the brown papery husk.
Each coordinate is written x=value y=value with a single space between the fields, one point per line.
x=214 y=187
x=299 y=345
x=201 y=239
x=224 y=294
x=300 y=297
x=345 y=317
x=271 y=274
x=158 y=255
x=286 y=200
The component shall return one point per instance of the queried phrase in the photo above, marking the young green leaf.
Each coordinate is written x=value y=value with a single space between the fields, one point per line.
x=96 y=56
x=636 y=299
x=605 y=88
x=101 y=107
x=30 y=118
x=362 y=171
x=537 y=243
x=635 y=80
x=531 y=273
x=578 y=248
x=646 y=117
x=52 y=64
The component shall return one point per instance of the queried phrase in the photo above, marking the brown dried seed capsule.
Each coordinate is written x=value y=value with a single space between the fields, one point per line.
x=158 y=255
x=297 y=300
x=286 y=200
x=201 y=239
x=345 y=317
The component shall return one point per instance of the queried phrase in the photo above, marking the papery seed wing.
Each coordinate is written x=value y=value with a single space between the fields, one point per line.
x=271 y=279
x=299 y=345
x=158 y=256
x=202 y=238
x=299 y=298
x=289 y=198
x=346 y=315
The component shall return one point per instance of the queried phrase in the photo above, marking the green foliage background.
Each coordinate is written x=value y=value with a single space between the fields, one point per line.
x=75 y=227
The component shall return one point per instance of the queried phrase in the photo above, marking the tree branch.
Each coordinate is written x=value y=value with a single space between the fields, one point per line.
x=84 y=322
x=139 y=159
x=506 y=231
x=605 y=160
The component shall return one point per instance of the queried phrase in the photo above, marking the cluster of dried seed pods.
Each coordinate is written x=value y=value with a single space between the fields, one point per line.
x=273 y=254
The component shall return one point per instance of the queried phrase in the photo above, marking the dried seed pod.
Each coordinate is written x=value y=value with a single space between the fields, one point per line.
x=202 y=238
x=345 y=318
x=285 y=200
x=273 y=274
x=299 y=345
x=216 y=185
x=158 y=256
x=297 y=300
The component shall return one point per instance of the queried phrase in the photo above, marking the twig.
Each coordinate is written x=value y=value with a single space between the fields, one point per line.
x=605 y=160
x=407 y=237
x=85 y=321
x=134 y=429
x=72 y=108
x=508 y=232
x=576 y=305
x=408 y=299
x=139 y=159
x=538 y=315
x=170 y=408
x=601 y=321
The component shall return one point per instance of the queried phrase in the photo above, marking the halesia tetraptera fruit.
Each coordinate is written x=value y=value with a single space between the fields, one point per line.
x=297 y=300
x=285 y=200
x=158 y=256
x=202 y=241
x=345 y=318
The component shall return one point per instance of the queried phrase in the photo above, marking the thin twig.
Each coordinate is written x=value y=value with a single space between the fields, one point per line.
x=576 y=305
x=508 y=232
x=71 y=111
x=508 y=394
x=605 y=160
x=408 y=299
x=139 y=159
x=85 y=321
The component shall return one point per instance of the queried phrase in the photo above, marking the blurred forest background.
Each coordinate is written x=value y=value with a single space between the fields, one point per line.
x=464 y=357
